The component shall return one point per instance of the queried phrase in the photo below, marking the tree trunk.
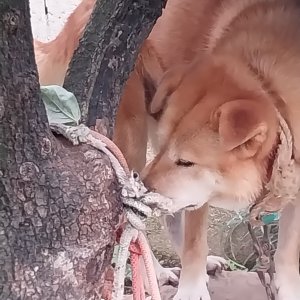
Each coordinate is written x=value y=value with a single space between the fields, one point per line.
x=107 y=53
x=59 y=204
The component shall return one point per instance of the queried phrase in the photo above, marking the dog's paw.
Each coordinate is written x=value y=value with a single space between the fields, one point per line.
x=168 y=276
x=215 y=264
x=193 y=292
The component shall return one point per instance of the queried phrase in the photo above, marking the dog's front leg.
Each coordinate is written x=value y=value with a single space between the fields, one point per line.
x=193 y=277
x=287 y=254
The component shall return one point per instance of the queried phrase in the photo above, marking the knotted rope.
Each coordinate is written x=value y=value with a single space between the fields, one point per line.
x=139 y=204
x=284 y=184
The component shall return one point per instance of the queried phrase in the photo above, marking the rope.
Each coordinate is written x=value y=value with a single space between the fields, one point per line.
x=283 y=187
x=284 y=184
x=139 y=204
x=264 y=262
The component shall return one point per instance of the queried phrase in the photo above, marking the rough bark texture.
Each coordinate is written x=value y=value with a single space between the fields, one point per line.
x=59 y=204
x=107 y=54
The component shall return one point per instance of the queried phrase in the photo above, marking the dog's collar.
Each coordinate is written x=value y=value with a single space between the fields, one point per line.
x=284 y=183
x=271 y=159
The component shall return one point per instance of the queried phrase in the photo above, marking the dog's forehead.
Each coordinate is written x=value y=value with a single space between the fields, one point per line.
x=193 y=138
x=176 y=111
x=195 y=121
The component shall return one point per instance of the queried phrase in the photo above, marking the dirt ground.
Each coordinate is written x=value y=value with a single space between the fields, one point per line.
x=220 y=287
x=46 y=27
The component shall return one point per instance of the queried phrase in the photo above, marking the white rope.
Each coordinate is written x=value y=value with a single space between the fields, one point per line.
x=129 y=234
x=139 y=203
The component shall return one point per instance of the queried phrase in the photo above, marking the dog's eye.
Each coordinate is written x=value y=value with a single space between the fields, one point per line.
x=184 y=163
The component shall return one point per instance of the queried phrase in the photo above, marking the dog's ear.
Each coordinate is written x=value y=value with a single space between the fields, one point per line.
x=242 y=126
x=168 y=84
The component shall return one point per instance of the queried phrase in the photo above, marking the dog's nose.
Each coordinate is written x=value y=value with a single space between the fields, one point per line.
x=148 y=184
x=149 y=177
x=145 y=171
x=146 y=177
x=154 y=190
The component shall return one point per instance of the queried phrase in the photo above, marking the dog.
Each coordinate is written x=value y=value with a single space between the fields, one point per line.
x=53 y=58
x=206 y=91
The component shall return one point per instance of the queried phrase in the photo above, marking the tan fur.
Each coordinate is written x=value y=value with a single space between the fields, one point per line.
x=193 y=255
x=53 y=58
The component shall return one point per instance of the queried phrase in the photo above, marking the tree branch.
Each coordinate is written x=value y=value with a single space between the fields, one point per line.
x=107 y=53
x=59 y=205
x=19 y=88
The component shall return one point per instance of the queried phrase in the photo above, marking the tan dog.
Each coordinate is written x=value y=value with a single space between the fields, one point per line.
x=229 y=66
x=53 y=58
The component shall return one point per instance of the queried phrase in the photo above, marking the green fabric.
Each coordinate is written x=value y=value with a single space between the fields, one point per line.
x=269 y=218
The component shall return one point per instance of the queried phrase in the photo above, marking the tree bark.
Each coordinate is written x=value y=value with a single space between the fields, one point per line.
x=59 y=204
x=107 y=53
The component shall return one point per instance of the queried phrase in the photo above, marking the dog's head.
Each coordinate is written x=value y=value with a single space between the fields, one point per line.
x=217 y=130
